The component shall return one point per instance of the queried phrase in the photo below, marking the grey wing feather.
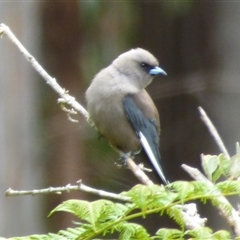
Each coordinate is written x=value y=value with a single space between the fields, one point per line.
x=146 y=129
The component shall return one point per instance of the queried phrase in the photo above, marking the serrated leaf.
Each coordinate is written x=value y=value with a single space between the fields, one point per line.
x=84 y=210
x=200 y=188
x=67 y=234
x=221 y=235
x=176 y=214
x=209 y=164
x=200 y=233
x=224 y=164
x=131 y=231
x=229 y=186
x=184 y=189
x=144 y=196
x=168 y=233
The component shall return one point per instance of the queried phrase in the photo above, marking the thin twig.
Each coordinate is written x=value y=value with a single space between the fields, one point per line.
x=220 y=202
x=138 y=172
x=59 y=190
x=213 y=132
x=65 y=97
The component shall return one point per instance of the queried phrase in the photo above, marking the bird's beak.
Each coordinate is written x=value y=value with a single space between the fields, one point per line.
x=156 y=71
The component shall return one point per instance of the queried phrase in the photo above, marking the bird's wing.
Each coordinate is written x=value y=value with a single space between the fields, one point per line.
x=147 y=131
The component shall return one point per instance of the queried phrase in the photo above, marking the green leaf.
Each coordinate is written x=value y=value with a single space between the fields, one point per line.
x=221 y=235
x=234 y=170
x=209 y=164
x=223 y=167
x=224 y=164
x=176 y=214
x=184 y=189
x=51 y=236
x=147 y=197
x=202 y=190
x=88 y=211
x=206 y=233
x=229 y=187
x=217 y=174
x=169 y=233
x=200 y=233
x=132 y=231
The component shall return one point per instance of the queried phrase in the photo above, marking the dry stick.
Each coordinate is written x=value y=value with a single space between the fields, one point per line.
x=190 y=221
x=65 y=97
x=213 y=132
x=68 y=188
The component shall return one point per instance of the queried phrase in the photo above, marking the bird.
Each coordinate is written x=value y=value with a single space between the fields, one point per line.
x=121 y=109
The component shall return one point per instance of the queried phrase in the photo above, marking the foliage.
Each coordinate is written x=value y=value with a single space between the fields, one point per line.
x=102 y=218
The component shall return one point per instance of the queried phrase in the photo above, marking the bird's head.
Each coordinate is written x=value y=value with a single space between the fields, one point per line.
x=139 y=65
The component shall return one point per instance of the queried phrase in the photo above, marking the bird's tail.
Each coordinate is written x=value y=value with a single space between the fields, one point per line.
x=155 y=162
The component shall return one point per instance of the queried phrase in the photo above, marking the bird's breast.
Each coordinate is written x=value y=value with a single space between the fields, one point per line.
x=110 y=120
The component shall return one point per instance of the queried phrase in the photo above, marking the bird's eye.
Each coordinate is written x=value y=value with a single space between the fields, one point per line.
x=143 y=65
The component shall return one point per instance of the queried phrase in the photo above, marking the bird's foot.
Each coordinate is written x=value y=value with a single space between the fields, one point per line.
x=123 y=158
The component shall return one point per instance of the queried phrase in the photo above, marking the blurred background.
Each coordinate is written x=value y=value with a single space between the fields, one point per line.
x=196 y=42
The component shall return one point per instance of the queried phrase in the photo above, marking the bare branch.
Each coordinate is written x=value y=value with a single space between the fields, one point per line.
x=213 y=132
x=232 y=216
x=59 y=190
x=142 y=177
x=49 y=80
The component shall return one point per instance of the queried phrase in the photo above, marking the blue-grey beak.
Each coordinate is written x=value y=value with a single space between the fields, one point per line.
x=156 y=71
